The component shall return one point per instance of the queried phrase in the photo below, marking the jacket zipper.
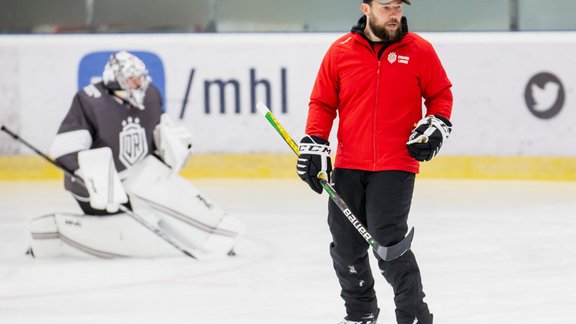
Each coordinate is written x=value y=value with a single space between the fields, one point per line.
x=375 y=119
x=379 y=55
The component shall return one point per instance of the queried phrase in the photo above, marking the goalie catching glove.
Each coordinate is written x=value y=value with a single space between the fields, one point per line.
x=173 y=143
x=314 y=159
x=428 y=136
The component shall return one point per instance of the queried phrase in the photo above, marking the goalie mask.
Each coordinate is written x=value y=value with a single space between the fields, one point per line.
x=126 y=75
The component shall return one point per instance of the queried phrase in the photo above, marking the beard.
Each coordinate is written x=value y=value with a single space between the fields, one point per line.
x=382 y=33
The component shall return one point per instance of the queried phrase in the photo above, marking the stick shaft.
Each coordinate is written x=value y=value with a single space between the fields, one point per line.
x=37 y=151
x=384 y=252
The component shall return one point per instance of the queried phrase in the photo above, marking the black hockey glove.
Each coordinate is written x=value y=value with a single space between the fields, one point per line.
x=428 y=136
x=314 y=158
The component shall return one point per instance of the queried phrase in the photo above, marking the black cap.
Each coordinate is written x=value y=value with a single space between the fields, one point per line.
x=408 y=2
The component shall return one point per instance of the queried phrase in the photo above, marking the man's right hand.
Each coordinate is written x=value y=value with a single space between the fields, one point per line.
x=314 y=159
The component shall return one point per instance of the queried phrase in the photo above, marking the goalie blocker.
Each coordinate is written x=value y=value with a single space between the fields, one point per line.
x=158 y=195
x=97 y=170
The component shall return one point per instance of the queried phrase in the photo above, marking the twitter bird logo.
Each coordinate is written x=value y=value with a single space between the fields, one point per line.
x=544 y=98
x=544 y=95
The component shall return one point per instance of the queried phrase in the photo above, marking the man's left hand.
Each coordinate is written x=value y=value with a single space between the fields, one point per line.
x=427 y=138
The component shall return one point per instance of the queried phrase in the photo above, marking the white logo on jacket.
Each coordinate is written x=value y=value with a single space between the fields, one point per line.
x=393 y=57
x=133 y=144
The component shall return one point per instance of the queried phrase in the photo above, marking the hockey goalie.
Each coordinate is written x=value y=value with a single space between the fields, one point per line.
x=123 y=155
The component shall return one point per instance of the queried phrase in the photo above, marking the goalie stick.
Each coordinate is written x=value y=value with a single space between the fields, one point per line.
x=160 y=233
x=387 y=253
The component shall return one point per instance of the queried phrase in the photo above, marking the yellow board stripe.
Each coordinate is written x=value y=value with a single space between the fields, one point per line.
x=31 y=167
x=491 y=167
x=27 y=167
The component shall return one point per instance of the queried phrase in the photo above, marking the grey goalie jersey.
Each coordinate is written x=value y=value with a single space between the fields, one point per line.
x=99 y=119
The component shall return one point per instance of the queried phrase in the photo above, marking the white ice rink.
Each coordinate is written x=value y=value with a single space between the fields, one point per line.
x=490 y=252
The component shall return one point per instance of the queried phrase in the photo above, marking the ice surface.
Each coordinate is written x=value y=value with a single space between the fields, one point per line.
x=489 y=251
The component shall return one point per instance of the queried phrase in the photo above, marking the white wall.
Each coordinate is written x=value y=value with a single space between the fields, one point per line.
x=489 y=71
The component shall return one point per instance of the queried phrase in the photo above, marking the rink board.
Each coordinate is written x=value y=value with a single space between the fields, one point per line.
x=283 y=166
x=514 y=98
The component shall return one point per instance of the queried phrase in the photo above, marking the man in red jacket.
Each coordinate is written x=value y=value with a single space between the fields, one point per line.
x=374 y=79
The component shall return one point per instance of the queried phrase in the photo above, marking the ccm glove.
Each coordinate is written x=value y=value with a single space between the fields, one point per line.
x=314 y=159
x=428 y=136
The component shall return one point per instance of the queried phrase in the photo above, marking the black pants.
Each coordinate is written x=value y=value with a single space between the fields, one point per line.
x=381 y=200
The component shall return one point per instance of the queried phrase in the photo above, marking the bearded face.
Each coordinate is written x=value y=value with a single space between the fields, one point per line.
x=390 y=30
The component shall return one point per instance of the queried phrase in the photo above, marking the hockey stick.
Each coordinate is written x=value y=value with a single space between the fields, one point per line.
x=387 y=253
x=160 y=233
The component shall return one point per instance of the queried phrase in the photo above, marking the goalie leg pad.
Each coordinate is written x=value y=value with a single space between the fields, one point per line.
x=186 y=214
x=74 y=235
x=224 y=237
x=44 y=237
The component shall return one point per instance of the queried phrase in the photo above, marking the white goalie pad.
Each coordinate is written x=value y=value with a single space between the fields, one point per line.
x=101 y=179
x=184 y=213
x=71 y=235
x=173 y=143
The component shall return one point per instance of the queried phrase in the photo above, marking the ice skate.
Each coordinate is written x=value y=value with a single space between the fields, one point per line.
x=370 y=321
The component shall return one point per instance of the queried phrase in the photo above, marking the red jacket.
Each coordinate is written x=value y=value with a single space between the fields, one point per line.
x=378 y=101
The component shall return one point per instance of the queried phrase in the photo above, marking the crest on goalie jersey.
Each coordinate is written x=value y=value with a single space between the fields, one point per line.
x=133 y=144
